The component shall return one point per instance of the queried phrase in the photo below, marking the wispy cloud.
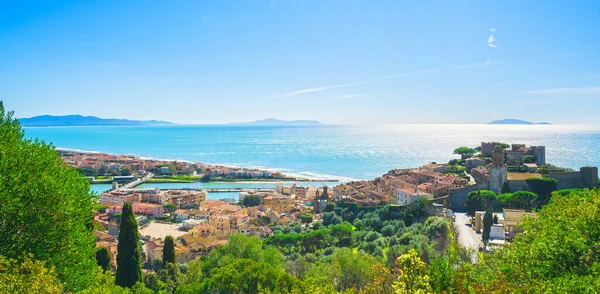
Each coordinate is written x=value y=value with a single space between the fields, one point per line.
x=485 y=63
x=325 y=88
x=491 y=39
x=348 y=96
x=273 y=2
x=583 y=91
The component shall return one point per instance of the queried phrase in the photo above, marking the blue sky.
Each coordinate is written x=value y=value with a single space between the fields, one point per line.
x=336 y=61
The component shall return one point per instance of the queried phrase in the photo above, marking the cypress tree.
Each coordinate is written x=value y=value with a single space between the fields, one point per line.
x=129 y=270
x=103 y=258
x=488 y=219
x=505 y=188
x=168 y=251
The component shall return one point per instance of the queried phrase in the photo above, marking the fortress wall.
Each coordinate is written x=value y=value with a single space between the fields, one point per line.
x=458 y=197
x=514 y=157
x=568 y=179
x=518 y=185
x=589 y=176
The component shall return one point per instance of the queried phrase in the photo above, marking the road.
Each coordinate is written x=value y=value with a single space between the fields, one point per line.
x=466 y=236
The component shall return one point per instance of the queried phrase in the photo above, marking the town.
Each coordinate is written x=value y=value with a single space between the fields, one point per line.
x=199 y=224
x=109 y=168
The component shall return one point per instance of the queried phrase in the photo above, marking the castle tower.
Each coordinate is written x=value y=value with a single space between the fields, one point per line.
x=497 y=170
x=589 y=176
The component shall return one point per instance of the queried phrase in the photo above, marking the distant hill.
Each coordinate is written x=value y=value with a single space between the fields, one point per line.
x=512 y=121
x=278 y=122
x=79 y=120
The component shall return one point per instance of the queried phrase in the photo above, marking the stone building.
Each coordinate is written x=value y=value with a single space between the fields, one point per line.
x=497 y=170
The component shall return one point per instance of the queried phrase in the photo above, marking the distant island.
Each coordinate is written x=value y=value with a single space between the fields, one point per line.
x=79 y=120
x=278 y=122
x=512 y=121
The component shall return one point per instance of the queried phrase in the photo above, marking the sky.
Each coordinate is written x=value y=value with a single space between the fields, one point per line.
x=335 y=61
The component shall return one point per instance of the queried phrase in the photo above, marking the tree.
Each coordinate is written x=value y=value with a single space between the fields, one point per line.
x=475 y=202
x=205 y=178
x=124 y=172
x=169 y=207
x=523 y=199
x=251 y=200
x=306 y=218
x=488 y=219
x=103 y=258
x=129 y=271
x=412 y=274
x=169 y=250
x=543 y=187
x=503 y=146
x=505 y=188
x=464 y=152
x=45 y=207
x=28 y=276
x=528 y=159
x=86 y=171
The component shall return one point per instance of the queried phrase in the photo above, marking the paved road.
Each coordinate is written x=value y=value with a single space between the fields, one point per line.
x=466 y=236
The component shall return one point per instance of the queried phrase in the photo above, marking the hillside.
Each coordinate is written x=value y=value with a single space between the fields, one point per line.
x=278 y=122
x=79 y=120
x=513 y=121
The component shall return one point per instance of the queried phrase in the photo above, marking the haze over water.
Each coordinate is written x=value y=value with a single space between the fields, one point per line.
x=332 y=152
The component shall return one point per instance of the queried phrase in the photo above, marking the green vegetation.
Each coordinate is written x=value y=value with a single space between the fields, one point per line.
x=103 y=258
x=464 y=152
x=169 y=250
x=251 y=200
x=505 y=188
x=488 y=220
x=46 y=243
x=520 y=199
x=543 y=187
x=479 y=201
x=45 y=208
x=306 y=218
x=129 y=270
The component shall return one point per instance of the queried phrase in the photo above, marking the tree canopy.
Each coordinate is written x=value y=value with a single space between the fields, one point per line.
x=45 y=209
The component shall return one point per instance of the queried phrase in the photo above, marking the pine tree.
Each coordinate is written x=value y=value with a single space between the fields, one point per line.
x=103 y=258
x=129 y=271
x=169 y=251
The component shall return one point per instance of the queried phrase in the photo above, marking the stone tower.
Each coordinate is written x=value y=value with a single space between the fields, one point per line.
x=540 y=154
x=589 y=176
x=497 y=170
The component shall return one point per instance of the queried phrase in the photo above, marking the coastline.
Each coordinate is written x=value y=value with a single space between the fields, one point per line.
x=295 y=177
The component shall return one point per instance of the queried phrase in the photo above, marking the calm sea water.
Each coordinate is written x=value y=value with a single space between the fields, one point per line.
x=331 y=152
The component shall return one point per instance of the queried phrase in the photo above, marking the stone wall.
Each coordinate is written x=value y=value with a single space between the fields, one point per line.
x=487 y=148
x=518 y=185
x=458 y=197
x=514 y=157
x=568 y=179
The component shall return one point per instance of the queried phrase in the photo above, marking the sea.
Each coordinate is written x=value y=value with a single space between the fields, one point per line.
x=329 y=152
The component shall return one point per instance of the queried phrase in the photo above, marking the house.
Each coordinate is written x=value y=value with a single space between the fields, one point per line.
x=148 y=209
x=511 y=219
x=223 y=222
x=185 y=214
x=154 y=250
x=278 y=203
x=406 y=196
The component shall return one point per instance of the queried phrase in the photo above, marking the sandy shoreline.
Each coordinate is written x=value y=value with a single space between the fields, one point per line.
x=297 y=177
